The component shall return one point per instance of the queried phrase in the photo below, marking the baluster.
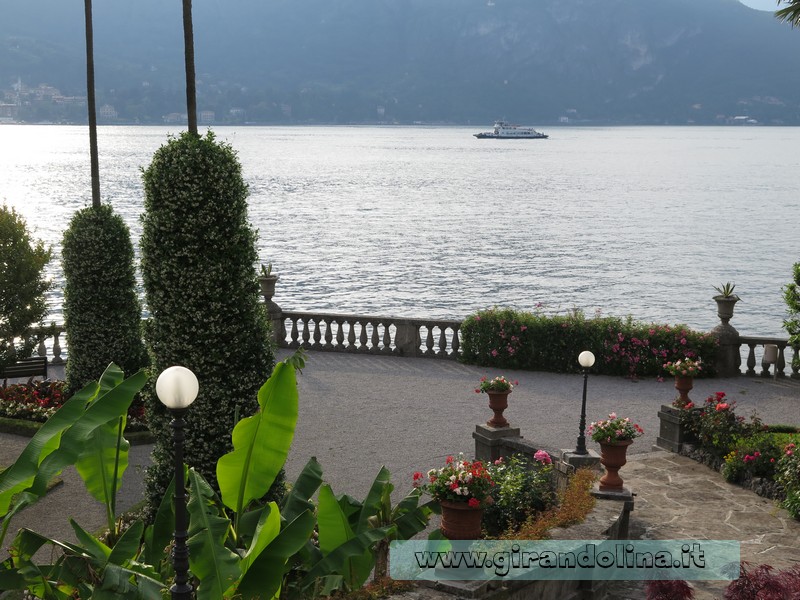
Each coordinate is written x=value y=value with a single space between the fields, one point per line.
x=362 y=338
x=351 y=337
x=306 y=333
x=429 y=341
x=57 y=360
x=41 y=350
x=387 y=338
x=282 y=333
x=317 y=333
x=442 y=353
x=328 y=334
x=376 y=341
x=751 y=360
x=456 y=343
x=781 y=364
x=340 y=335
x=294 y=343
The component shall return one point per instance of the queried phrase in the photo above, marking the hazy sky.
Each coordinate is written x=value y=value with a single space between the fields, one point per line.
x=771 y=5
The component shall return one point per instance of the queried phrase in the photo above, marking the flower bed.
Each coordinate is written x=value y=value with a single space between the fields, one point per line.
x=507 y=338
x=746 y=452
x=31 y=404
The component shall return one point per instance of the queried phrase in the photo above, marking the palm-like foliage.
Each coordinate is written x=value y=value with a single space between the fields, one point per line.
x=789 y=13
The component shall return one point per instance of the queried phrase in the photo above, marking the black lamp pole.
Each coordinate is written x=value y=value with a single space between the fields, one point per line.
x=181 y=589
x=581 y=447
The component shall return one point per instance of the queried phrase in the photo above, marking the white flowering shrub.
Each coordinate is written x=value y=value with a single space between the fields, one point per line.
x=102 y=313
x=198 y=251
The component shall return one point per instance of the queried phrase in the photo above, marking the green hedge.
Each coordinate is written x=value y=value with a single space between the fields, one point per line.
x=511 y=339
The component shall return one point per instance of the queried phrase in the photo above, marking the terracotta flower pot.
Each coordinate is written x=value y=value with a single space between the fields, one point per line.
x=613 y=457
x=498 y=402
x=460 y=521
x=683 y=385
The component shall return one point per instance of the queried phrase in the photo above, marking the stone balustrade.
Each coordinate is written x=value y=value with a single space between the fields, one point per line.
x=757 y=348
x=392 y=336
x=50 y=344
x=440 y=338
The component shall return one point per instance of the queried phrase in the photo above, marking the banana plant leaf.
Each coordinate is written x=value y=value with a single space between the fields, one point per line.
x=261 y=442
x=159 y=534
x=339 y=561
x=60 y=441
x=335 y=532
x=103 y=462
x=210 y=560
x=298 y=500
x=264 y=577
x=269 y=526
x=379 y=491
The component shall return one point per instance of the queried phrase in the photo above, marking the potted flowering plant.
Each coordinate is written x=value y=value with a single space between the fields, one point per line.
x=462 y=487
x=498 y=384
x=614 y=435
x=498 y=390
x=684 y=371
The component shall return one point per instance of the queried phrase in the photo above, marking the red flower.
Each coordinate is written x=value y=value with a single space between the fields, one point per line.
x=449 y=460
x=474 y=503
x=417 y=475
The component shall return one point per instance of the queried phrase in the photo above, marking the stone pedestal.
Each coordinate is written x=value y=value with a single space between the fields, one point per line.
x=729 y=360
x=580 y=461
x=671 y=435
x=489 y=441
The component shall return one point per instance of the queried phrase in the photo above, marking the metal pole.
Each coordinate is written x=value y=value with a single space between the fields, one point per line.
x=181 y=589
x=581 y=447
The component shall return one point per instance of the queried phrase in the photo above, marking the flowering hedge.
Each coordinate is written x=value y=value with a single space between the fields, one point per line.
x=511 y=339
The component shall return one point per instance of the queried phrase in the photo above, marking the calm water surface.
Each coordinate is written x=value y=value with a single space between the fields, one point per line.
x=431 y=222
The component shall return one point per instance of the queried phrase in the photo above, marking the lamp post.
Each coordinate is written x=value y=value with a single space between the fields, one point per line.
x=586 y=360
x=177 y=388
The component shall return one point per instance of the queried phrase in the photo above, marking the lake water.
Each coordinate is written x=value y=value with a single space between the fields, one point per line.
x=431 y=222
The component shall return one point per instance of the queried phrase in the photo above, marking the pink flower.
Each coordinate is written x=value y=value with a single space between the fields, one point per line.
x=722 y=406
x=494 y=353
x=474 y=502
x=612 y=415
x=449 y=460
x=543 y=457
x=689 y=405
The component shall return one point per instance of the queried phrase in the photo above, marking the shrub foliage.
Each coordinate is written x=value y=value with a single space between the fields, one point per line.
x=791 y=294
x=22 y=287
x=198 y=252
x=511 y=339
x=102 y=313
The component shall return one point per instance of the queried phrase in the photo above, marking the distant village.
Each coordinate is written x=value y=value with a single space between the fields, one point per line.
x=45 y=104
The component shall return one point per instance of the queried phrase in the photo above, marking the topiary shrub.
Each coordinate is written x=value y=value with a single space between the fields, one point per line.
x=22 y=287
x=507 y=338
x=102 y=313
x=198 y=255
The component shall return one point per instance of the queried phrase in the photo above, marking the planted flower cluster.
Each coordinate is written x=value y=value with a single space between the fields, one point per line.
x=614 y=429
x=460 y=480
x=507 y=338
x=36 y=401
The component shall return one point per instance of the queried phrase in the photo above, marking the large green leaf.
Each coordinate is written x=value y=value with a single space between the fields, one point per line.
x=103 y=462
x=158 y=535
x=269 y=525
x=20 y=475
x=334 y=533
x=381 y=488
x=261 y=442
x=106 y=408
x=210 y=560
x=298 y=500
x=265 y=575
x=91 y=545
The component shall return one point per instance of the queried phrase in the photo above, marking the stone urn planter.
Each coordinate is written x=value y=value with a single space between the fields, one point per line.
x=267 y=283
x=725 y=306
x=460 y=521
x=498 y=402
x=684 y=386
x=613 y=457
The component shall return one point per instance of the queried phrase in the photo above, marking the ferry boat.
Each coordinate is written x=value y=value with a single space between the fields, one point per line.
x=505 y=131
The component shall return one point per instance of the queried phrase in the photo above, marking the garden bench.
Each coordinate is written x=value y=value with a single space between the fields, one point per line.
x=25 y=367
